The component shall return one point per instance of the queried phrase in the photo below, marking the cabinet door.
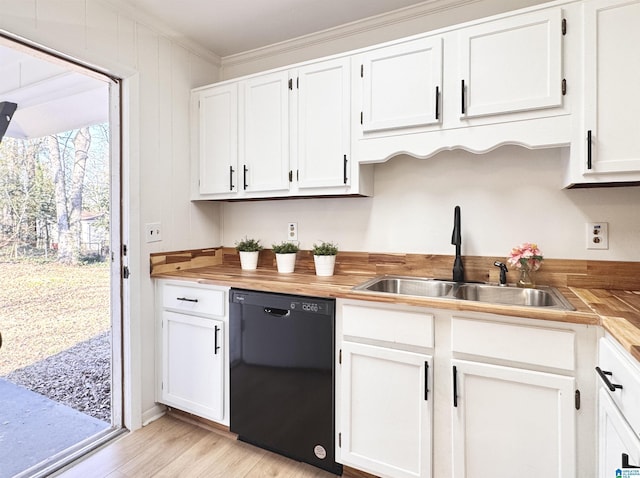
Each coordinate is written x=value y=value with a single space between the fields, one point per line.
x=192 y=364
x=264 y=133
x=612 y=74
x=615 y=439
x=512 y=422
x=402 y=85
x=323 y=124
x=386 y=411
x=513 y=64
x=218 y=136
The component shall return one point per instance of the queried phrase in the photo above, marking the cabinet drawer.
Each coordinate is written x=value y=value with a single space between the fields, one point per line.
x=624 y=371
x=533 y=345
x=409 y=327
x=197 y=300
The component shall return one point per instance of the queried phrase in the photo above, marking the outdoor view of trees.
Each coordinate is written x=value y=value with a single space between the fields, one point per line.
x=54 y=196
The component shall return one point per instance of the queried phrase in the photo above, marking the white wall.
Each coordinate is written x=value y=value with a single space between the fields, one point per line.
x=159 y=74
x=508 y=196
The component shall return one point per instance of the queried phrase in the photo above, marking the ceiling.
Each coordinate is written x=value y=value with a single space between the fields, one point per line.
x=228 y=27
x=51 y=98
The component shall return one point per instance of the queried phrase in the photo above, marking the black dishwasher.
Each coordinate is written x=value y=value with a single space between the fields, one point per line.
x=282 y=374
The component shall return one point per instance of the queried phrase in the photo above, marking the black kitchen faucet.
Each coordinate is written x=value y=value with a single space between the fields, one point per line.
x=456 y=239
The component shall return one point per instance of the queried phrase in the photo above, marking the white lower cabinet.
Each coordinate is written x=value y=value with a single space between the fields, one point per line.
x=192 y=365
x=619 y=416
x=386 y=411
x=193 y=349
x=385 y=395
x=514 y=399
x=619 y=446
x=512 y=422
x=426 y=392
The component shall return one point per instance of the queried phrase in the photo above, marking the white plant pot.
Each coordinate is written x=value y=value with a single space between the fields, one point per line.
x=324 y=265
x=249 y=260
x=286 y=262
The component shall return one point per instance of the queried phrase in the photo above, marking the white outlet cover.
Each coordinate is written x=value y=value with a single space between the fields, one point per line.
x=292 y=231
x=597 y=235
x=153 y=232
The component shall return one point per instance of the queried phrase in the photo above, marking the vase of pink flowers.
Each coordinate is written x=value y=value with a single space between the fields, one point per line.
x=527 y=258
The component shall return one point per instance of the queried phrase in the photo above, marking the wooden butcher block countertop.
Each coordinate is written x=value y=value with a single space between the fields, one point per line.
x=616 y=309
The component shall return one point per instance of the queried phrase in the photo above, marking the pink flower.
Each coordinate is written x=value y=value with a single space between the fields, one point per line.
x=526 y=255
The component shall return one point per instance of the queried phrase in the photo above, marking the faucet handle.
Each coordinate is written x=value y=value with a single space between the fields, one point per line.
x=503 y=272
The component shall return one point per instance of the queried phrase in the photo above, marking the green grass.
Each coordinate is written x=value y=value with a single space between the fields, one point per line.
x=46 y=308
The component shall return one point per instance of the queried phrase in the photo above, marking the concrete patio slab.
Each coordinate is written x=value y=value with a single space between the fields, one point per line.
x=34 y=427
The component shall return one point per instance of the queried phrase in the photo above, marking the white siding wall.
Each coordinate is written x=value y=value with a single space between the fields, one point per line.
x=159 y=74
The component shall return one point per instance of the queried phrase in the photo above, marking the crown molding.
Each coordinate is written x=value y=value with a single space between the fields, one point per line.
x=423 y=9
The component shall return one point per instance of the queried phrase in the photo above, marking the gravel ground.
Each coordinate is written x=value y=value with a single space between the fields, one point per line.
x=79 y=377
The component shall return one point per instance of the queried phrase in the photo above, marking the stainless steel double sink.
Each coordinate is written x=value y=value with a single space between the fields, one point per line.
x=546 y=297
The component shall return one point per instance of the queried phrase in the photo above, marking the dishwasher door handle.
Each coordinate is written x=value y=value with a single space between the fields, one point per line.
x=277 y=312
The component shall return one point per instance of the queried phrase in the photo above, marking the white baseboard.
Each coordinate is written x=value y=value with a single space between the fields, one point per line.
x=153 y=414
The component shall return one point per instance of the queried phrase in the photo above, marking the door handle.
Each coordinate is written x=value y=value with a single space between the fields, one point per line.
x=216 y=347
x=186 y=299
x=604 y=375
x=426 y=380
x=589 y=152
x=455 y=386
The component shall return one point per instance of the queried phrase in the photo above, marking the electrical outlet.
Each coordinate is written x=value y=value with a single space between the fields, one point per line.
x=153 y=232
x=597 y=235
x=292 y=231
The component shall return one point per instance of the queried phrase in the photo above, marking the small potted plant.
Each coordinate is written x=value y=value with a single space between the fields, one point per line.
x=249 y=249
x=285 y=256
x=324 y=258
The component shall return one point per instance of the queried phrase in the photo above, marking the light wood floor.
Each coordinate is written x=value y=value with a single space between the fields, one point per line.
x=170 y=447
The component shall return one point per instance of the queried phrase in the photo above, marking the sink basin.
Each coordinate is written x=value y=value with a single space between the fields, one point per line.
x=546 y=297
x=408 y=286
x=510 y=295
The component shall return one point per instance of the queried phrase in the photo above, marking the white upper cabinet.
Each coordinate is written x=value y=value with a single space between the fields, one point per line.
x=401 y=85
x=264 y=133
x=278 y=134
x=475 y=87
x=510 y=65
x=323 y=126
x=218 y=138
x=607 y=147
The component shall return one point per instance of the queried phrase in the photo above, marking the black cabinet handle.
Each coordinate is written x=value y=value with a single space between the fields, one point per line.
x=625 y=462
x=344 y=169
x=231 y=171
x=604 y=375
x=216 y=347
x=186 y=299
x=437 y=102
x=244 y=176
x=426 y=380
x=455 y=386
x=589 y=159
x=462 y=99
